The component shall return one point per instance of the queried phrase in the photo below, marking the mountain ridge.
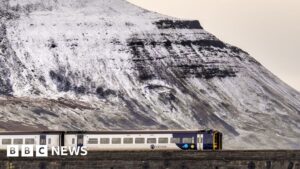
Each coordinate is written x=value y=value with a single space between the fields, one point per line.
x=91 y=65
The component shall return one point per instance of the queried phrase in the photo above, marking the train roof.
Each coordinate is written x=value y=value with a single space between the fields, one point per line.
x=104 y=132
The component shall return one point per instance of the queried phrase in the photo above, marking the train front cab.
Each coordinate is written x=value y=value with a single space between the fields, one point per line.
x=211 y=140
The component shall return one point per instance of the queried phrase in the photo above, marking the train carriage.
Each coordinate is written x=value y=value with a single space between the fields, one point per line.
x=50 y=138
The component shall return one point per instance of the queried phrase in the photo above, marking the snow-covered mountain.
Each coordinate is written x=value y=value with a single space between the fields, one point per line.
x=107 y=64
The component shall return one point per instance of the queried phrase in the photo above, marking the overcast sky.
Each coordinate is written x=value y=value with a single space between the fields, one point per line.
x=268 y=29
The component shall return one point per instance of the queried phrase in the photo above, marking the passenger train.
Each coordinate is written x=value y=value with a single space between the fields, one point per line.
x=118 y=140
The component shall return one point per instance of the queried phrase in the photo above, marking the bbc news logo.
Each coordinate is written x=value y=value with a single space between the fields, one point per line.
x=43 y=151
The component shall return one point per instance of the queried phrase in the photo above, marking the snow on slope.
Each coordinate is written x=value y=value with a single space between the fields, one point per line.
x=107 y=64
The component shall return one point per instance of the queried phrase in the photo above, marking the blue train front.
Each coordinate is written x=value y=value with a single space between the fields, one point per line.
x=202 y=140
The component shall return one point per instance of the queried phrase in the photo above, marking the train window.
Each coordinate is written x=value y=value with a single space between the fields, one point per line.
x=175 y=140
x=73 y=140
x=151 y=140
x=116 y=140
x=29 y=141
x=207 y=138
x=199 y=139
x=49 y=140
x=93 y=141
x=6 y=141
x=163 y=140
x=18 y=141
x=188 y=140
x=104 y=140
x=128 y=140
x=139 y=140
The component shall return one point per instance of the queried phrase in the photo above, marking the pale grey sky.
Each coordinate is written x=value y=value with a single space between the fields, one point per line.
x=268 y=29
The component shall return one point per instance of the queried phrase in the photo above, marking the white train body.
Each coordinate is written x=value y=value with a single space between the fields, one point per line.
x=118 y=140
x=95 y=142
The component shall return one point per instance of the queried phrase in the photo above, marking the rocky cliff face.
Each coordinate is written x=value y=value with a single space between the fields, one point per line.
x=107 y=64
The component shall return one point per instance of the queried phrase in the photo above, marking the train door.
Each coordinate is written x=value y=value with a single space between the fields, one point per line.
x=217 y=141
x=43 y=139
x=80 y=140
x=220 y=141
x=199 y=141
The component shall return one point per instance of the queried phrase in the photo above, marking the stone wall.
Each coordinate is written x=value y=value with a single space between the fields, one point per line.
x=162 y=160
